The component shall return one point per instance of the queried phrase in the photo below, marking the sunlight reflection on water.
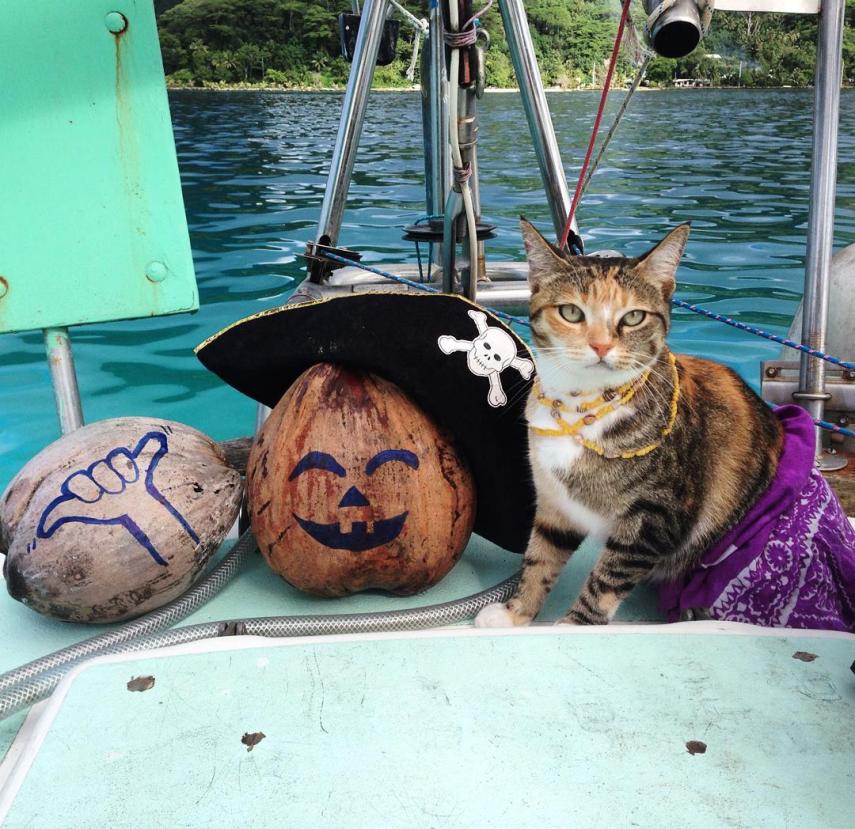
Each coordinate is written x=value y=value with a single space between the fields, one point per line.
x=254 y=168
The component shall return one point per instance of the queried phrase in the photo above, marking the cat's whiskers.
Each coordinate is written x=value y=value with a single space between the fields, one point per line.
x=657 y=395
x=655 y=371
x=662 y=392
x=515 y=394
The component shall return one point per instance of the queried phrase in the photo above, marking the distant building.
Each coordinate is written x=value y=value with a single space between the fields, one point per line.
x=691 y=82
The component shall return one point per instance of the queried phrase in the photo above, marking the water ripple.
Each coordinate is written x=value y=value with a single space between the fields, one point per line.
x=254 y=167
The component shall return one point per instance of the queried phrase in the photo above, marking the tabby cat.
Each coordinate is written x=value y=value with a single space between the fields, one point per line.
x=656 y=455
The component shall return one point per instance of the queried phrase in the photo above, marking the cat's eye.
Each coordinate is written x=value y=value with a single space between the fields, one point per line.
x=632 y=318
x=572 y=313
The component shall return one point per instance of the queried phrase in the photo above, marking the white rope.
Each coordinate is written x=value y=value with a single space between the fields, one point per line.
x=639 y=76
x=417 y=42
x=633 y=46
x=419 y=24
x=421 y=27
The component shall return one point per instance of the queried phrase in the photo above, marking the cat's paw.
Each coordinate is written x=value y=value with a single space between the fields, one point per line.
x=694 y=614
x=496 y=616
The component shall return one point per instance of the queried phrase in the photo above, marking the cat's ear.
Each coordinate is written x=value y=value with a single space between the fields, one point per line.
x=544 y=258
x=659 y=264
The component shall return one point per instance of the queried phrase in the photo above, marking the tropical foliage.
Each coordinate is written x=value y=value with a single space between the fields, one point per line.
x=295 y=43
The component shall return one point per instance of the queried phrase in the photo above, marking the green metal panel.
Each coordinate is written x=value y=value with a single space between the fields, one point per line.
x=92 y=224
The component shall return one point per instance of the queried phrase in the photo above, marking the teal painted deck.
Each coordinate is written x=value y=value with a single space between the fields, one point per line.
x=257 y=591
x=538 y=728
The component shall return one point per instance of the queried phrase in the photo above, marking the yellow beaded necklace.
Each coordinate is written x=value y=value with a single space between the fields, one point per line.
x=591 y=411
x=597 y=409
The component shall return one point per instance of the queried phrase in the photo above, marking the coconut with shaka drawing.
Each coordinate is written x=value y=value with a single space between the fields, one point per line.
x=115 y=519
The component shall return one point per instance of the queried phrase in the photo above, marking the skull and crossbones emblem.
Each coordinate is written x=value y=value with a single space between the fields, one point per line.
x=488 y=355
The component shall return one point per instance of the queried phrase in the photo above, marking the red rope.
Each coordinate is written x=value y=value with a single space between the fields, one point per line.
x=608 y=82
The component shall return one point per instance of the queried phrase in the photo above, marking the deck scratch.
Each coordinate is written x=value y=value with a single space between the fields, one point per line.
x=592 y=672
x=323 y=694
x=210 y=785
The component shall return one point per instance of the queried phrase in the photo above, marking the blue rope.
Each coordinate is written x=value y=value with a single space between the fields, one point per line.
x=696 y=309
x=833 y=427
x=385 y=274
x=417 y=285
x=761 y=333
x=823 y=424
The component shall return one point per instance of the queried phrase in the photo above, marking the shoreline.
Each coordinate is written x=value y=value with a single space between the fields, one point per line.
x=496 y=90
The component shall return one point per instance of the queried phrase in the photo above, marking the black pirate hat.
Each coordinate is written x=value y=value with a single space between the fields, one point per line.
x=461 y=364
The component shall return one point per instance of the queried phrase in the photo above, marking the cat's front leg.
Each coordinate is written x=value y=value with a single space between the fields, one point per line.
x=620 y=568
x=548 y=550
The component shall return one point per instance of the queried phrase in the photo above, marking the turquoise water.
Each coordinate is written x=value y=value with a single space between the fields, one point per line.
x=253 y=167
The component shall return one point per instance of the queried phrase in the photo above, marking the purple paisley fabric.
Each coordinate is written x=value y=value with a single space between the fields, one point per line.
x=790 y=562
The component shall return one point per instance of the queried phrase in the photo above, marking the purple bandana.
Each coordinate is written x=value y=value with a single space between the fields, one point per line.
x=790 y=562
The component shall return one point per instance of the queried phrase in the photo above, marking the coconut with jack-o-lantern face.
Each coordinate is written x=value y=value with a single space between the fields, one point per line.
x=351 y=486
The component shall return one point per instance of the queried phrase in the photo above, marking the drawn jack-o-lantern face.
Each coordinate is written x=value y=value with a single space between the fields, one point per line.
x=365 y=532
x=351 y=487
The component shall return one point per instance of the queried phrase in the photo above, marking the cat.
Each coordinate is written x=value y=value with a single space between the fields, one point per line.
x=654 y=454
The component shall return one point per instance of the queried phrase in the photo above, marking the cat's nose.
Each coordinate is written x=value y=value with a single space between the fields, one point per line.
x=601 y=349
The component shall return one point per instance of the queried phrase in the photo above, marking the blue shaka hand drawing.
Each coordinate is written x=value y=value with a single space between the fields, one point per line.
x=120 y=484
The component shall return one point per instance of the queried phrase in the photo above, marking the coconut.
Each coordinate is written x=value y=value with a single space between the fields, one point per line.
x=351 y=486
x=115 y=519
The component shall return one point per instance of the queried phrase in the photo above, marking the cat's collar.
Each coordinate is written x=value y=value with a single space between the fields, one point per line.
x=606 y=396
x=599 y=409
x=590 y=411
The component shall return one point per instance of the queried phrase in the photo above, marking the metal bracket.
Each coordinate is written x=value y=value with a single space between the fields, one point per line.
x=319 y=266
x=780 y=384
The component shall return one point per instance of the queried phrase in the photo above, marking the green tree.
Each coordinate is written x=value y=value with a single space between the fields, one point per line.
x=243 y=40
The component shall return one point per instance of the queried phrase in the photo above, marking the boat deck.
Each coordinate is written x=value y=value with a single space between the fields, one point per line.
x=257 y=591
x=456 y=727
x=639 y=726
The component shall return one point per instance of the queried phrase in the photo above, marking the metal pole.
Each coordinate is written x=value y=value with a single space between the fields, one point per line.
x=440 y=162
x=480 y=272
x=823 y=186
x=537 y=111
x=64 y=378
x=262 y=412
x=453 y=209
x=427 y=127
x=467 y=127
x=352 y=117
